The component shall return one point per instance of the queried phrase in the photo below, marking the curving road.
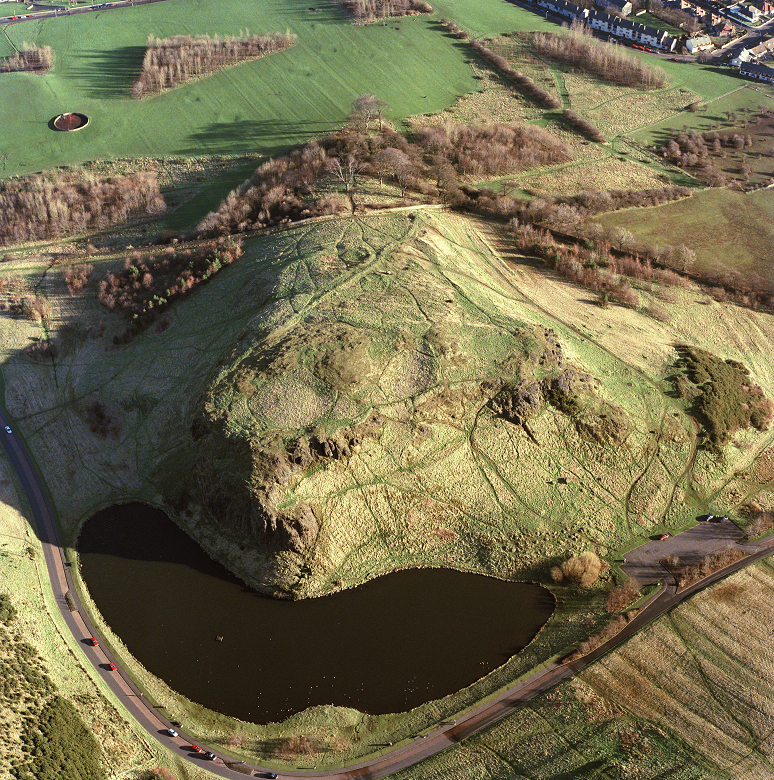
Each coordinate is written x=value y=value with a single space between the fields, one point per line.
x=403 y=755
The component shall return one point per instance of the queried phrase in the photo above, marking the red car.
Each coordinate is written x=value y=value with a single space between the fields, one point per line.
x=662 y=537
x=112 y=666
x=197 y=749
x=93 y=641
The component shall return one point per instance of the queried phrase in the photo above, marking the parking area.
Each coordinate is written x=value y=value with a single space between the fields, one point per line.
x=642 y=563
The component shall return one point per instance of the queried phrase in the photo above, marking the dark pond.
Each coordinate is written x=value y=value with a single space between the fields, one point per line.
x=386 y=646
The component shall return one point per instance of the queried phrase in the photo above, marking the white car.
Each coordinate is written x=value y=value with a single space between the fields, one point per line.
x=8 y=429
x=171 y=732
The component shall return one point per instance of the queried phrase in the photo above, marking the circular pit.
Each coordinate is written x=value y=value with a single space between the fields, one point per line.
x=71 y=121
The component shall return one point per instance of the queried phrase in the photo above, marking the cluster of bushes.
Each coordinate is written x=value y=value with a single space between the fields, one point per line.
x=591 y=264
x=725 y=398
x=101 y=422
x=614 y=627
x=76 y=277
x=283 y=190
x=694 y=150
x=366 y=11
x=169 y=62
x=674 y=16
x=608 y=61
x=589 y=129
x=23 y=300
x=453 y=28
x=30 y=58
x=621 y=596
x=761 y=523
x=60 y=746
x=583 y=570
x=479 y=151
x=148 y=284
x=54 y=741
x=685 y=576
x=590 y=202
x=62 y=203
x=525 y=83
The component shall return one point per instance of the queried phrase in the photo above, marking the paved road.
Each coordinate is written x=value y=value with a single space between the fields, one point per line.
x=401 y=756
x=57 y=11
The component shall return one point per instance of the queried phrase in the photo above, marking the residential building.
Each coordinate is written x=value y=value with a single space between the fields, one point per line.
x=698 y=43
x=752 y=70
x=623 y=7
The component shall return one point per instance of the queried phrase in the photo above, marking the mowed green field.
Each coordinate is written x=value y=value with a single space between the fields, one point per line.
x=265 y=105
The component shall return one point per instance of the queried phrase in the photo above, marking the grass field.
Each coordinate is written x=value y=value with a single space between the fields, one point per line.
x=264 y=105
x=731 y=233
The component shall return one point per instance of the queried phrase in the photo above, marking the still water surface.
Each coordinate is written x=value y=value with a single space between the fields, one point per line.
x=386 y=646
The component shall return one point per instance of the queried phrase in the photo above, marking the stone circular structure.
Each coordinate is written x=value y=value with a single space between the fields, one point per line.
x=71 y=121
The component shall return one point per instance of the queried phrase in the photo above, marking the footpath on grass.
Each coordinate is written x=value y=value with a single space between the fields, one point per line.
x=400 y=756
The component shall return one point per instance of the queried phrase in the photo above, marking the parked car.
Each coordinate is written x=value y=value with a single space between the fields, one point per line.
x=709 y=518
x=93 y=641
x=8 y=429
x=662 y=537
x=271 y=775
x=196 y=749
x=171 y=732
x=209 y=754
x=112 y=667
x=723 y=519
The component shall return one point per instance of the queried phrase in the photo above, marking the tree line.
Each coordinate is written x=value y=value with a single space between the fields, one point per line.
x=60 y=203
x=365 y=11
x=169 y=62
x=578 y=47
x=148 y=284
x=30 y=58
x=430 y=163
x=529 y=87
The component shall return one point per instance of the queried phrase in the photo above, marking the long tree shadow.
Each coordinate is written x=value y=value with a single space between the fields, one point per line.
x=109 y=74
x=249 y=134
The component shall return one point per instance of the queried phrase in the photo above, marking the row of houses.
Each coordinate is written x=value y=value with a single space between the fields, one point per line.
x=613 y=25
x=754 y=70
x=763 y=49
x=752 y=13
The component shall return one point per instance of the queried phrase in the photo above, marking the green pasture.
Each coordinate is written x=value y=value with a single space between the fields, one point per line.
x=265 y=105
x=652 y=21
x=729 y=231
x=711 y=116
x=489 y=18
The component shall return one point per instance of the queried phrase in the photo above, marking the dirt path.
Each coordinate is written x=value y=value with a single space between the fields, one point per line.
x=401 y=756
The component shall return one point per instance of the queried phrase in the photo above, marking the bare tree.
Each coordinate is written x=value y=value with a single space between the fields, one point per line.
x=366 y=108
x=346 y=170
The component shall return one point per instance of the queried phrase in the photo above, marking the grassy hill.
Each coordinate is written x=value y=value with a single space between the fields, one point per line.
x=412 y=345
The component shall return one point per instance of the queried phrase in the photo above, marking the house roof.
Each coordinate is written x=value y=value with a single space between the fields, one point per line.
x=754 y=67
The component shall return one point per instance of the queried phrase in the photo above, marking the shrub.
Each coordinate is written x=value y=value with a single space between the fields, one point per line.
x=589 y=129
x=77 y=277
x=621 y=596
x=30 y=58
x=148 y=284
x=608 y=61
x=7 y=609
x=63 y=203
x=169 y=62
x=583 y=569
x=727 y=400
x=365 y=11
